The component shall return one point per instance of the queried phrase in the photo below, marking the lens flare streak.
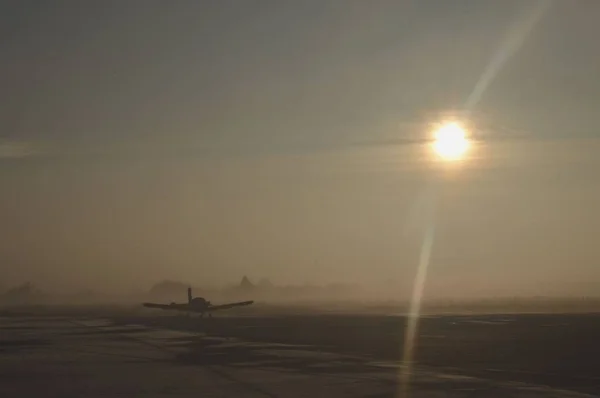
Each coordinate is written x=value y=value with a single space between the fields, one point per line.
x=513 y=41
x=410 y=337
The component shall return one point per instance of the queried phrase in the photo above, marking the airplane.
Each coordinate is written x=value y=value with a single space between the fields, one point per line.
x=197 y=304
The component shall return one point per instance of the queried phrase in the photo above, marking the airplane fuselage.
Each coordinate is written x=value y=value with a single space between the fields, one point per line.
x=197 y=305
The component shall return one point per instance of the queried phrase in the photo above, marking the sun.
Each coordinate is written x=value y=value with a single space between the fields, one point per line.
x=451 y=141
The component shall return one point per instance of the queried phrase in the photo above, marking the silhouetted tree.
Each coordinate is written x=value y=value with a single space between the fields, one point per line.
x=245 y=284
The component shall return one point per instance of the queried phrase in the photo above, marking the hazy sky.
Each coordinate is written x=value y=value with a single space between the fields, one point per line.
x=204 y=140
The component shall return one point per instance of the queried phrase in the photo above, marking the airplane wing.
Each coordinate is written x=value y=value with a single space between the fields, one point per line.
x=178 y=307
x=230 y=305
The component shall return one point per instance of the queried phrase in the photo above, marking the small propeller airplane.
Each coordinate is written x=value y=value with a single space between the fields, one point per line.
x=197 y=305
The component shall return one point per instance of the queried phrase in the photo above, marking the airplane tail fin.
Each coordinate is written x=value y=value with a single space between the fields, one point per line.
x=189 y=295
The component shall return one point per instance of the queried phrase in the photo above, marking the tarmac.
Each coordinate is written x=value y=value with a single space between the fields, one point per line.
x=75 y=356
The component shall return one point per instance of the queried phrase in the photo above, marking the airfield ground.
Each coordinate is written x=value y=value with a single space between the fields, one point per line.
x=144 y=354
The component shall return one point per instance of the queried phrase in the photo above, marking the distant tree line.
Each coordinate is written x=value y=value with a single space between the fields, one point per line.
x=263 y=290
x=25 y=293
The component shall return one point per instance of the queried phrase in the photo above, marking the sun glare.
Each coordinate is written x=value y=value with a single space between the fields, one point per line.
x=451 y=141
